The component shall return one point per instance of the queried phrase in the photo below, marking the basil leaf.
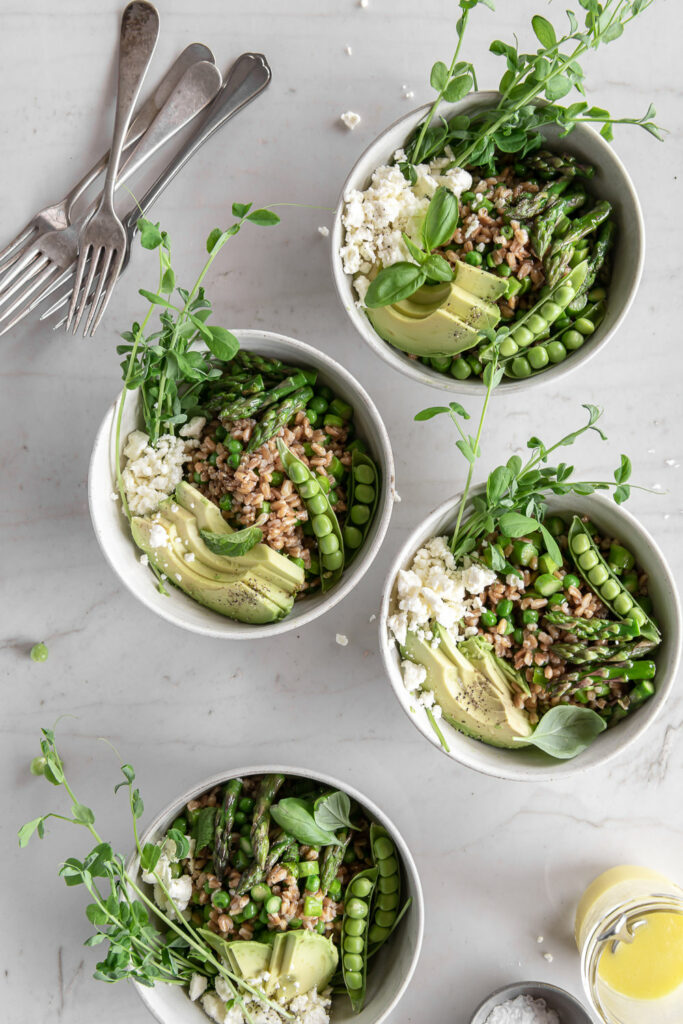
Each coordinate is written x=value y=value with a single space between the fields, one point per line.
x=416 y=253
x=399 y=281
x=441 y=219
x=203 y=828
x=232 y=544
x=437 y=268
x=333 y=811
x=223 y=344
x=513 y=524
x=565 y=731
x=295 y=817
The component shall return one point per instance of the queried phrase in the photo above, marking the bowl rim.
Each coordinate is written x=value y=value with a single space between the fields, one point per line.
x=547 y=771
x=103 y=445
x=528 y=986
x=417 y=371
x=410 y=868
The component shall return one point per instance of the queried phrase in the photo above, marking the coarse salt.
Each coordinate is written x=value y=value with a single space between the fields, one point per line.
x=523 y=1010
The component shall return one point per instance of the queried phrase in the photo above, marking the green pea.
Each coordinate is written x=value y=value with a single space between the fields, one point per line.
x=588 y=559
x=298 y=473
x=474 y=258
x=440 y=363
x=621 y=557
x=197 y=477
x=365 y=494
x=570 y=580
x=385 y=918
x=334 y=560
x=220 y=899
x=623 y=603
x=276 y=478
x=251 y=910
x=233 y=445
x=361 y=887
x=353 y=962
x=584 y=325
x=308 y=488
x=333 y=421
x=355 y=928
x=556 y=352
x=317 y=504
x=353 y=980
x=387 y=901
x=226 y=502
x=520 y=367
x=563 y=296
x=356 y=908
x=240 y=817
x=388 y=866
x=294 y=924
x=610 y=589
x=538 y=357
x=460 y=370
x=508 y=347
x=259 y=893
x=341 y=408
x=325 y=392
x=180 y=824
x=324 y=481
x=319 y=404
x=503 y=270
x=556 y=599
x=220 y=433
x=328 y=544
x=518 y=636
x=312 y=416
x=246 y=845
x=597 y=295
x=523 y=336
x=265 y=507
x=353 y=538
x=377 y=934
x=598 y=575
x=360 y=514
x=321 y=526
x=389 y=884
x=529 y=615
x=503 y=608
x=488 y=618
x=536 y=324
x=352 y=944
x=580 y=543
x=572 y=340
x=550 y=310
x=364 y=474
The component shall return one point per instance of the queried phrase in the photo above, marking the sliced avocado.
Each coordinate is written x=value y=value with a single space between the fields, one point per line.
x=438 y=334
x=473 y=702
x=308 y=961
x=473 y=311
x=249 y=959
x=273 y=981
x=229 y=595
x=282 y=575
x=479 y=282
x=207 y=514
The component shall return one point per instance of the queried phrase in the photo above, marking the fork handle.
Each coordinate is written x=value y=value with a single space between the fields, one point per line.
x=249 y=76
x=139 y=33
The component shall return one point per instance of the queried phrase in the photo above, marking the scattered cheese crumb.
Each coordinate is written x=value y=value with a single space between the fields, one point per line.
x=396 y=496
x=114 y=496
x=669 y=462
x=342 y=640
x=189 y=556
x=348 y=51
x=158 y=538
x=350 y=119
x=197 y=986
x=194 y=427
x=363 y=3
x=372 y=617
x=324 y=231
x=539 y=939
x=549 y=957
x=144 y=560
x=152 y=473
x=408 y=94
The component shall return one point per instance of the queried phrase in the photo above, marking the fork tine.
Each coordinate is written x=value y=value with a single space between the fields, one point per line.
x=16 y=270
x=104 y=270
x=31 y=304
x=16 y=254
x=113 y=266
x=21 y=238
x=35 y=281
x=63 y=299
x=80 y=293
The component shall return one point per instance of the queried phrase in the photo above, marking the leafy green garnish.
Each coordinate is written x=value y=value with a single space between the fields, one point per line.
x=297 y=819
x=564 y=731
x=232 y=544
x=203 y=828
x=333 y=811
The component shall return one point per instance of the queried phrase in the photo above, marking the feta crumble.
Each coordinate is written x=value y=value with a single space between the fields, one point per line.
x=350 y=119
x=179 y=889
x=152 y=473
x=197 y=986
x=348 y=51
x=342 y=640
x=375 y=219
x=324 y=231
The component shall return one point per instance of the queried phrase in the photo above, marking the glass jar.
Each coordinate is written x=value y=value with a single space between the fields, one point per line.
x=629 y=932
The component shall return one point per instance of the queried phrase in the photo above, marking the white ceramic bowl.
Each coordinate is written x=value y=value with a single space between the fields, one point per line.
x=611 y=182
x=395 y=964
x=113 y=534
x=528 y=764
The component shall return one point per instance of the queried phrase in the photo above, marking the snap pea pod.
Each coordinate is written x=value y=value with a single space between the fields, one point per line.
x=549 y=164
x=354 y=934
x=225 y=821
x=583 y=226
x=278 y=416
x=261 y=822
x=332 y=860
x=361 y=502
x=581 y=653
x=603 y=245
x=604 y=581
x=545 y=224
x=556 y=347
x=323 y=520
x=385 y=907
x=596 y=629
x=248 y=405
x=531 y=205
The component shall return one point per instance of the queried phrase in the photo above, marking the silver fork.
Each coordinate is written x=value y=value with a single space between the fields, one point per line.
x=58 y=215
x=102 y=241
x=58 y=250
x=248 y=77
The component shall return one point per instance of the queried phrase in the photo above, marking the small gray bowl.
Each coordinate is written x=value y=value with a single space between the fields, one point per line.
x=568 y=1008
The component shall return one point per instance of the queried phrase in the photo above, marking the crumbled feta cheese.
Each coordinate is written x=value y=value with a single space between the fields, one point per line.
x=350 y=119
x=363 y=3
x=167 y=889
x=396 y=496
x=114 y=496
x=476 y=578
x=669 y=462
x=413 y=675
x=152 y=473
x=189 y=556
x=341 y=639
x=158 y=538
x=194 y=427
x=214 y=1007
x=197 y=986
x=372 y=617
x=144 y=560
x=539 y=939
x=348 y=51
x=376 y=219
x=549 y=957
x=324 y=231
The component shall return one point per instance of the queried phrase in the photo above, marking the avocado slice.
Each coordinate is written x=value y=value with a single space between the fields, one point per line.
x=308 y=960
x=478 y=282
x=440 y=333
x=474 y=311
x=227 y=594
x=206 y=563
x=249 y=959
x=475 y=704
x=272 y=983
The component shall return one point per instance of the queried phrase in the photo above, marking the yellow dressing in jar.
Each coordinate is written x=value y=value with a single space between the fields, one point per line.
x=651 y=966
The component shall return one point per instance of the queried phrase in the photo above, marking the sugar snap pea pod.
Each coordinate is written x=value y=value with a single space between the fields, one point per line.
x=278 y=416
x=604 y=582
x=261 y=821
x=248 y=405
x=225 y=820
x=361 y=502
x=332 y=859
x=544 y=313
x=545 y=224
x=323 y=520
x=596 y=629
x=354 y=934
x=583 y=226
x=386 y=904
x=570 y=339
x=549 y=164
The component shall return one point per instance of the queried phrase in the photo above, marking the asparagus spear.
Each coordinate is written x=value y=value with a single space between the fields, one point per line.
x=254 y=874
x=278 y=416
x=550 y=164
x=332 y=859
x=603 y=244
x=582 y=226
x=628 y=671
x=556 y=265
x=261 y=822
x=582 y=653
x=272 y=367
x=595 y=629
x=248 y=405
x=546 y=222
x=225 y=820
x=529 y=206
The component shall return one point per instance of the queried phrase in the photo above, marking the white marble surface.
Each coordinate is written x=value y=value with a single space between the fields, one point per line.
x=501 y=863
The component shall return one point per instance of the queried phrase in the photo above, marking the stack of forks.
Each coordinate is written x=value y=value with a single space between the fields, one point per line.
x=73 y=260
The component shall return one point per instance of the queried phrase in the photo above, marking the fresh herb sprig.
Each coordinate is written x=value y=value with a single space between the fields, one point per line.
x=514 y=124
x=121 y=912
